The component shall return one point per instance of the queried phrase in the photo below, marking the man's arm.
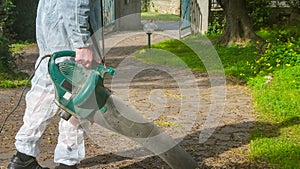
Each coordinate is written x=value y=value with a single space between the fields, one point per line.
x=79 y=30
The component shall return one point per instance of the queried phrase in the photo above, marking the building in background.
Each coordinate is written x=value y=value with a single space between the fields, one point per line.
x=193 y=13
x=128 y=14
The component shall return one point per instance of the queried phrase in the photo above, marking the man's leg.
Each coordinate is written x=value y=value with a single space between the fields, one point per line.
x=40 y=108
x=70 y=149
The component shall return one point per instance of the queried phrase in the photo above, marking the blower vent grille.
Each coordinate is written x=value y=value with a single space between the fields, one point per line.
x=72 y=72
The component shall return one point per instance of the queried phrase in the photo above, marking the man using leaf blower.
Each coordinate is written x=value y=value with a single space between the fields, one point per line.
x=62 y=28
x=60 y=25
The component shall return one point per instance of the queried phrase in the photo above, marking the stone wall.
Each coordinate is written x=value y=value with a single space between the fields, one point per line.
x=285 y=15
x=165 y=6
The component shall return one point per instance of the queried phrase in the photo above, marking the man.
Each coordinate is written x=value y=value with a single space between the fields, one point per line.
x=60 y=25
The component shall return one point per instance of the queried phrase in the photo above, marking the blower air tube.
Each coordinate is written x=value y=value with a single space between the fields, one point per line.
x=124 y=119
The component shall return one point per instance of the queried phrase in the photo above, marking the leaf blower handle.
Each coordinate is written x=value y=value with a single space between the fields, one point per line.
x=62 y=54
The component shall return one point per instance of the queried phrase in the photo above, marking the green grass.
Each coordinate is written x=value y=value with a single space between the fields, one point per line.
x=278 y=103
x=281 y=95
x=233 y=59
x=159 y=17
x=171 y=53
x=12 y=83
x=20 y=47
x=10 y=79
x=278 y=146
x=279 y=152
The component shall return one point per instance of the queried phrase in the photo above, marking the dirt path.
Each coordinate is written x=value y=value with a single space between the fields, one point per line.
x=227 y=147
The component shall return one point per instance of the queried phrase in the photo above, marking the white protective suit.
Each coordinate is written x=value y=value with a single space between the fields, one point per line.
x=60 y=25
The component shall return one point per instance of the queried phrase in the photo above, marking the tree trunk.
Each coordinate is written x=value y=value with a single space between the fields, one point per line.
x=239 y=28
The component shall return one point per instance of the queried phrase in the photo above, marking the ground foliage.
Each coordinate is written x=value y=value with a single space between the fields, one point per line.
x=274 y=78
x=280 y=51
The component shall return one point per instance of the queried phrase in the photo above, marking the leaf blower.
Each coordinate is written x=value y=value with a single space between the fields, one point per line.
x=80 y=93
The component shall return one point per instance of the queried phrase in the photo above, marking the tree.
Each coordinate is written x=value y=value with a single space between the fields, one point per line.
x=238 y=28
x=6 y=38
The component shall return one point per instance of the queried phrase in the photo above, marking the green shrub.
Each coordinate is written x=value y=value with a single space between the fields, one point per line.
x=293 y=3
x=145 y=5
x=216 y=24
x=282 y=50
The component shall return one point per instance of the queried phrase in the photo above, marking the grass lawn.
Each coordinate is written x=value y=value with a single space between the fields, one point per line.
x=278 y=103
x=233 y=59
x=159 y=17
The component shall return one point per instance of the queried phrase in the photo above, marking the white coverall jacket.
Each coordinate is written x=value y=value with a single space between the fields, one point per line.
x=60 y=25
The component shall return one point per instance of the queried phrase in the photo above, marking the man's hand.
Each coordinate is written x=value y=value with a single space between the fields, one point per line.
x=85 y=56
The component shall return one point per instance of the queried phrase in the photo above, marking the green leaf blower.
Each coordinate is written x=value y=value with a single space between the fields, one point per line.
x=80 y=92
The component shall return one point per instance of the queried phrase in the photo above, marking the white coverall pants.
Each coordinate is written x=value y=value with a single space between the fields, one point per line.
x=61 y=25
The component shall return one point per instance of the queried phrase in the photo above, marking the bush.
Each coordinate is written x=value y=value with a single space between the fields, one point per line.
x=282 y=51
x=216 y=23
x=145 y=5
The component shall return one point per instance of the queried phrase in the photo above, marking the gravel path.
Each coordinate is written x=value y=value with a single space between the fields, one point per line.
x=157 y=96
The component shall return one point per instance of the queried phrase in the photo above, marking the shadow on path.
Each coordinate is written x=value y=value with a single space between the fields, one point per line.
x=223 y=139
